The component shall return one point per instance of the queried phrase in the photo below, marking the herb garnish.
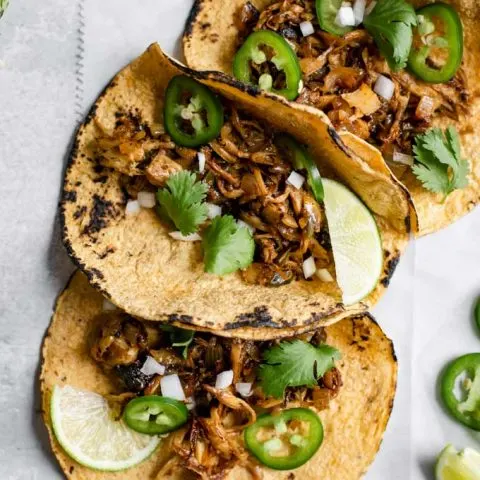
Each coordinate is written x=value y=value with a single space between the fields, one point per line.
x=294 y=364
x=182 y=201
x=440 y=167
x=390 y=23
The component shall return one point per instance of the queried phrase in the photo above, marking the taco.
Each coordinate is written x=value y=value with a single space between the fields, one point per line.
x=232 y=223
x=397 y=84
x=89 y=350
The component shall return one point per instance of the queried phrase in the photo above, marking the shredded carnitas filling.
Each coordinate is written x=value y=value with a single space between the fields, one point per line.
x=247 y=177
x=340 y=73
x=211 y=443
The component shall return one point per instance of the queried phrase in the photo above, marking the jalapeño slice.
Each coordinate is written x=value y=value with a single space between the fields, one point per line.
x=154 y=415
x=327 y=11
x=193 y=114
x=464 y=373
x=437 y=49
x=302 y=160
x=287 y=440
x=269 y=62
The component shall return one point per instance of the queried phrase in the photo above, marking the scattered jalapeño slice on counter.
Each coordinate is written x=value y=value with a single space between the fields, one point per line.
x=301 y=160
x=437 y=49
x=193 y=114
x=154 y=415
x=477 y=313
x=463 y=374
x=269 y=62
x=287 y=440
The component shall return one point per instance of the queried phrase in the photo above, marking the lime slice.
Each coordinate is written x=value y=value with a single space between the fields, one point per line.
x=453 y=465
x=85 y=427
x=356 y=242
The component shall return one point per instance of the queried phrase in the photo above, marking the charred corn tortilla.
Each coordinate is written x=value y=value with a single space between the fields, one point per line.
x=134 y=261
x=354 y=424
x=210 y=43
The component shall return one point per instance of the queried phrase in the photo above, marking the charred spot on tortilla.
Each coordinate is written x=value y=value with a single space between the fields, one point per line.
x=390 y=270
x=79 y=212
x=70 y=196
x=101 y=212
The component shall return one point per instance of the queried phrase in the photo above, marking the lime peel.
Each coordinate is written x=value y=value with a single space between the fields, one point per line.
x=85 y=427
x=356 y=242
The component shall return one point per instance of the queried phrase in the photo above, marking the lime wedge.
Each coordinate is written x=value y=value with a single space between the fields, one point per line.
x=85 y=427
x=356 y=242
x=453 y=465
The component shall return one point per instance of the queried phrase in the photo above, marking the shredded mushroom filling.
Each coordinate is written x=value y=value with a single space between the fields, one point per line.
x=247 y=177
x=340 y=73
x=211 y=442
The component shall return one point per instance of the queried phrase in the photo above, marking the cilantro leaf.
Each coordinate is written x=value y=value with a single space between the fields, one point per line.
x=390 y=23
x=182 y=201
x=440 y=166
x=179 y=337
x=294 y=364
x=227 y=247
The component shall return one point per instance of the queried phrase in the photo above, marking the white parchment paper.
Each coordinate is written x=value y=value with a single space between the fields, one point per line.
x=55 y=57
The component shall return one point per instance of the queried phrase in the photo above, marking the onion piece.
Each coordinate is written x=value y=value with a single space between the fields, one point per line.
x=296 y=180
x=190 y=403
x=402 y=158
x=309 y=267
x=202 y=159
x=307 y=28
x=384 y=87
x=213 y=210
x=146 y=199
x=273 y=445
x=224 y=379
x=172 y=387
x=152 y=367
x=345 y=16
x=359 y=11
x=244 y=388
x=108 y=306
x=246 y=225
x=132 y=208
x=324 y=275
x=370 y=8
x=193 y=237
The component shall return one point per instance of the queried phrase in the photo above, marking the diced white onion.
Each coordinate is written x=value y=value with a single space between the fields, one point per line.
x=324 y=275
x=224 y=379
x=345 y=16
x=152 y=367
x=201 y=161
x=171 y=387
x=190 y=403
x=213 y=210
x=108 y=306
x=132 y=208
x=359 y=11
x=307 y=28
x=403 y=158
x=193 y=237
x=273 y=445
x=241 y=223
x=146 y=199
x=384 y=87
x=309 y=267
x=300 y=86
x=296 y=180
x=370 y=8
x=244 y=389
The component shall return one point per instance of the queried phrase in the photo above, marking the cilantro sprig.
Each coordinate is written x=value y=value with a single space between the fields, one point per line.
x=294 y=364
x=179 y=337
x=390 y=23
x=182 y=201
x=440 y=166
x=227 y=246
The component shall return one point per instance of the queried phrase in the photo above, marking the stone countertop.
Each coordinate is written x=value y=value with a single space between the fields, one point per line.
x=55 y=56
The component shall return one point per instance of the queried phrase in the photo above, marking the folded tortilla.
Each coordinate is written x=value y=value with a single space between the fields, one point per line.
x=210 y=43
x=354 y=423
x=136 y=264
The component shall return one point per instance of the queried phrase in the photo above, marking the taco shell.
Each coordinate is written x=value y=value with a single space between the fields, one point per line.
x=136 y=264
x=210 y=43
x=354 y=424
